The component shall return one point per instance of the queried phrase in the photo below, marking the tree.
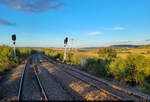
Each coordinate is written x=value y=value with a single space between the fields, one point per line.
x=107 y=53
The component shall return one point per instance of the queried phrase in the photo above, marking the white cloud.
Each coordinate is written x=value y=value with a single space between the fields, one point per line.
x=94 y=33
x=118 y=28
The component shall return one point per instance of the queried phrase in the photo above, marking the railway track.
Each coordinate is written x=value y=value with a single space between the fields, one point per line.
x=24 y=75
x=110 y=89
x=144 y=99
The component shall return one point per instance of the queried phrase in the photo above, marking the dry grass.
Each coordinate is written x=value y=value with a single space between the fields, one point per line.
x=133 y=51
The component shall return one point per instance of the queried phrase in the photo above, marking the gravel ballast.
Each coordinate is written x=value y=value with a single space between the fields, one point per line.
x=75 y=86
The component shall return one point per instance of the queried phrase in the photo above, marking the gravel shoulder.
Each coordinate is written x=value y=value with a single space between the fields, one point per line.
x=9 y=83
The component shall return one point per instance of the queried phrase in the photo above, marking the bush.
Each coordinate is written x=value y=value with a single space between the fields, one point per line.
x=69 y=58
x=59 y=56
x=7 y=56
x=76 y=58
x=146 y=87
x=54 y=54
x=107 y=53
x=133 y=69
x=96 y=67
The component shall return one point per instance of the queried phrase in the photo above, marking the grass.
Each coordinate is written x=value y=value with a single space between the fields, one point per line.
x=134 y=51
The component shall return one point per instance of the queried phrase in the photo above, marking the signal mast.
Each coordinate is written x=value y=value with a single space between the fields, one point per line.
x=14 y=42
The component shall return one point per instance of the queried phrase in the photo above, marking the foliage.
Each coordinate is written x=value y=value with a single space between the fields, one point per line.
x=56 y=55
x=146 y=87
x=96 y=66
x=133 y=69
x=107 y=53
x=7 y=57
x=59 y=56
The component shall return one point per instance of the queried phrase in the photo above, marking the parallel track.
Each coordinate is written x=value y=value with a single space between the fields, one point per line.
x=111 y=85
x=144 y=99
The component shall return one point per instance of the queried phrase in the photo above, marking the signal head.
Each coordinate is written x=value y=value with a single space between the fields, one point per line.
x=14 y=37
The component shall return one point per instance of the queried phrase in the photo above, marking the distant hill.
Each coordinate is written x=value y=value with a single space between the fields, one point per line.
x=145 y=46
x=129 y=46
x=116 y=46
x=89 y=47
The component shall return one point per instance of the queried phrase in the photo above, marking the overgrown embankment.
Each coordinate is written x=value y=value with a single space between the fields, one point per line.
x=7 y=57
x=133 y=70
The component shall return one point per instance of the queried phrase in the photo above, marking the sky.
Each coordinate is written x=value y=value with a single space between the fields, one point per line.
x=92 y=23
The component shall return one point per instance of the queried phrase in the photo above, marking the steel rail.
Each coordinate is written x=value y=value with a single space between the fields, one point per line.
x=21 y=83
x=40 y=85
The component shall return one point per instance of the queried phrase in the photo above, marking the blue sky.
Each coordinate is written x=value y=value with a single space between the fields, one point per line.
x=45 y=23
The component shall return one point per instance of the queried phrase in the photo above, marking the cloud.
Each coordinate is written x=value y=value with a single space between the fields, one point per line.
x=32 y=5
x=7 y=23
x=118 y=28
x=94 y=33
x=147 y=40
x=126 y=41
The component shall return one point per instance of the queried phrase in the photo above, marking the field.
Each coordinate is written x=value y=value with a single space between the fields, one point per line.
x=129 y=66
x=133 y=51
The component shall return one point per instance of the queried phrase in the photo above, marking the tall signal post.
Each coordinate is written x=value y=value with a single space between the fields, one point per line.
x=72 y=42
x=65 y=46
x=14 y=42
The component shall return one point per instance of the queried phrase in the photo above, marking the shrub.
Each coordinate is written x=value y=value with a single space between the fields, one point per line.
x=146 y=87
x=76 y=58
x=96 y=67
x=59 y=56
x=7 y=56
x=69 y=58
x=133 y=69
x=107 y=53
